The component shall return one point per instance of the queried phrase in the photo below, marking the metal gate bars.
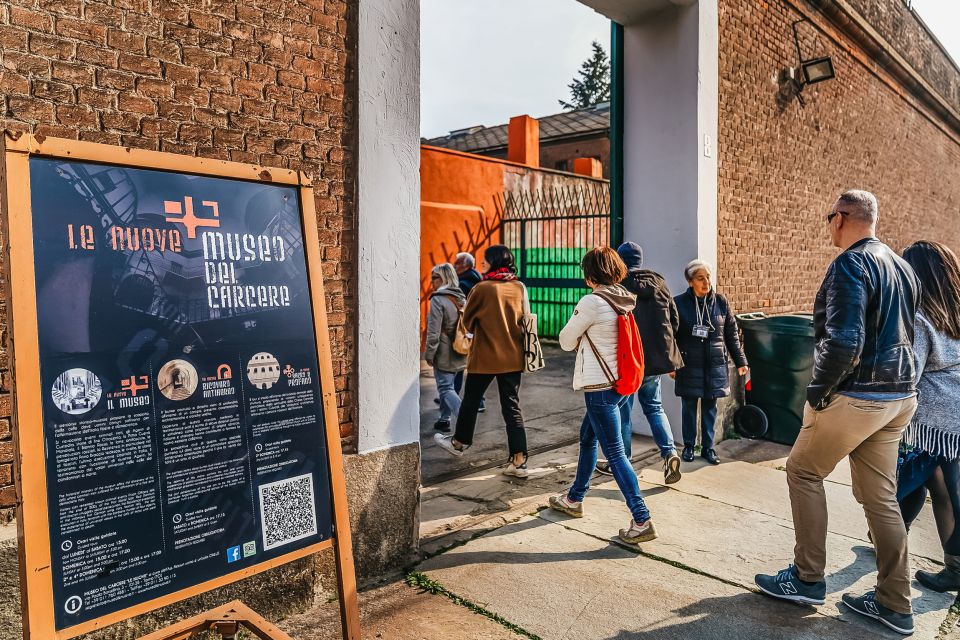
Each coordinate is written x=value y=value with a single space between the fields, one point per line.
x=549 y=231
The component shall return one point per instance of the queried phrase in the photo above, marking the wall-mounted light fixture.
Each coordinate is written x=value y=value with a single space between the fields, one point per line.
x=811 y=70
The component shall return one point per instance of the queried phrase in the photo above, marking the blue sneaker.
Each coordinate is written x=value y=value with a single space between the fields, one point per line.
x=867 y=605
x=786 y=585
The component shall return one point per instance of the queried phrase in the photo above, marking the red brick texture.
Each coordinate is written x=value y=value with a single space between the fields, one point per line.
x=256 y=81
x=782 y=166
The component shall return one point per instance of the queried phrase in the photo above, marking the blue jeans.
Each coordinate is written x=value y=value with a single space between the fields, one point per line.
x=649 y=398
x=708 y=418
x=449 y=400
x=921 y=472
x=602 y=424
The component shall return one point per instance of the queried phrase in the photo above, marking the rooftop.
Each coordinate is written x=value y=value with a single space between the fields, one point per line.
x=595 y=119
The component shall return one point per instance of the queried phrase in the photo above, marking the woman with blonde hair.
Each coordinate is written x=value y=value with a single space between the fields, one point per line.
x=446 y=301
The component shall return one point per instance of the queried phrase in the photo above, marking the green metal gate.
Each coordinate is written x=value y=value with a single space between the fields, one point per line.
x=549 y=231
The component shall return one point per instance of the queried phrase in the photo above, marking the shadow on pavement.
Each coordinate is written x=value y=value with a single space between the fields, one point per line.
x=463 y=558
x=750 y=615
x=846 y=577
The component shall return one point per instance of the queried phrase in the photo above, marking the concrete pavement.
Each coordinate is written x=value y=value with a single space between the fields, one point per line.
x=559 y=577
x=525 y=571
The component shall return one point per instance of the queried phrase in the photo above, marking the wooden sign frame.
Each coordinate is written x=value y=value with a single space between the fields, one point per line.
x=36 y=578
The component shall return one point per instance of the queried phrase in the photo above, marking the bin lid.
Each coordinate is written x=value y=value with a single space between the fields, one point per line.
x=794 y=324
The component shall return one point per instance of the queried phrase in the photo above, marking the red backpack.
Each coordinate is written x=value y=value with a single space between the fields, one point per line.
x=629 y=353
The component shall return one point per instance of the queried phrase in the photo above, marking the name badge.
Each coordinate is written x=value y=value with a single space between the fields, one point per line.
x=701 y=331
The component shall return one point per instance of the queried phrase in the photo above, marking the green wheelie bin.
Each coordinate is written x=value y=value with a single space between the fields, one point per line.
x=780 y=352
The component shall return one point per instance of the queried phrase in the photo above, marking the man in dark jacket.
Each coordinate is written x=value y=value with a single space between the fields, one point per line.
x=468 y=275
x=657 y=320
x=861 y=398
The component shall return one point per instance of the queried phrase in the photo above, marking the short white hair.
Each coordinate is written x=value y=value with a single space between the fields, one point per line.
x=864 y=202
x=447 y=274
x=466 y=258
x=695 y=265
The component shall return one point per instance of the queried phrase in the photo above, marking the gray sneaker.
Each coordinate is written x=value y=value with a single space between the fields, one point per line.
x=671 y=468
x=445 y=442
x=786 y=585
x=638 y=533
x=867 y=605
x=564 y=504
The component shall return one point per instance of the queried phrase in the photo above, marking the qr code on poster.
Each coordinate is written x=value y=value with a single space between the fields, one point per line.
x=287 y=511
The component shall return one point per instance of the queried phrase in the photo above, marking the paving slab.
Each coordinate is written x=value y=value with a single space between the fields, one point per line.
x=455 y=503
x=399 y=612
x=734 y=544
x=764 y=489
x=774 y=455
x=561 y=584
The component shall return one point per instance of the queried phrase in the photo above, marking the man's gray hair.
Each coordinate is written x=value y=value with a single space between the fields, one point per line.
x=863 y=202
x=695 y=265
x=447 y=274
x=466 y=259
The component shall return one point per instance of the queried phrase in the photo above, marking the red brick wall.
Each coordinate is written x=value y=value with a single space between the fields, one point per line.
x=256 y=81
x=781 y=166
x=598 y=147
x=553 y=152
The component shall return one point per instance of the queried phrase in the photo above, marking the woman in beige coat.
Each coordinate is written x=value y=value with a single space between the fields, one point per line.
x=492 y=315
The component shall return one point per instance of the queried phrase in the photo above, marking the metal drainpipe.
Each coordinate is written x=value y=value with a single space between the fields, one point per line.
x=616 y=134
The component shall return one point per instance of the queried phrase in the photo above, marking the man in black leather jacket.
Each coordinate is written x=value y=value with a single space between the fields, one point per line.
x=860 y=399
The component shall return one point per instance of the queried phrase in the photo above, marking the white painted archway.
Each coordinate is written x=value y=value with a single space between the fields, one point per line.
x=670 y=127
x=669 y=186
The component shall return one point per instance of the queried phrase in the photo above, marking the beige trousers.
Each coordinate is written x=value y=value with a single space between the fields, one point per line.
x=869 y=432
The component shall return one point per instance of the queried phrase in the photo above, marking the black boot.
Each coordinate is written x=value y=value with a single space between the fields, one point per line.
x=947 y=579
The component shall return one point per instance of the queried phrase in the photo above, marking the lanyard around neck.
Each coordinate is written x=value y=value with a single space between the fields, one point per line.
x=702 y=313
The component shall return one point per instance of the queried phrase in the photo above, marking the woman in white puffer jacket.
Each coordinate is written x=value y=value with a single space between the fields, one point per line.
x=592 y=331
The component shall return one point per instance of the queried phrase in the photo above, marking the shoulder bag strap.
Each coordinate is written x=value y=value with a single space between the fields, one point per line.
x=526 y=299
x=603 y=363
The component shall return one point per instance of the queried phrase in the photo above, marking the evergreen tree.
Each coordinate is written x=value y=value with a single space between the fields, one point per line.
x=593 y=85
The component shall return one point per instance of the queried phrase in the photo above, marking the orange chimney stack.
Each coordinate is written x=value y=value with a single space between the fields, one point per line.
x=523 y=141
x=588 y=167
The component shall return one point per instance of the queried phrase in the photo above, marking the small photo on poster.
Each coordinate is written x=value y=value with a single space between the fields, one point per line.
x=76 y=391
x=263 y=370
x=177 y=379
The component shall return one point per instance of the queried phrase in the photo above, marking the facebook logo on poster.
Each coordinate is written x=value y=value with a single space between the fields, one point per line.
x=233 y=554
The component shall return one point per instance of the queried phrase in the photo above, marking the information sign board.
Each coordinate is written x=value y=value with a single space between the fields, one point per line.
x=174 y=405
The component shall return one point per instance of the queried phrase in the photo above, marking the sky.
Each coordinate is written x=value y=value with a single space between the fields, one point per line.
x=483 y=61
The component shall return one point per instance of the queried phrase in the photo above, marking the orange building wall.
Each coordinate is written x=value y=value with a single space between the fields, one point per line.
x=458 y=210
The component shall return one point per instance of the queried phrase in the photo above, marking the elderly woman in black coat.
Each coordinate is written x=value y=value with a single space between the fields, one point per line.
x=707 y=336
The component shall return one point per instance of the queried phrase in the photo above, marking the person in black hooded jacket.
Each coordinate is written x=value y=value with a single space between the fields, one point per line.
x=658 y=321
x=707 y=338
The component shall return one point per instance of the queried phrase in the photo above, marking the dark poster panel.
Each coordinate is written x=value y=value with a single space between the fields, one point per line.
x=182 y=408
